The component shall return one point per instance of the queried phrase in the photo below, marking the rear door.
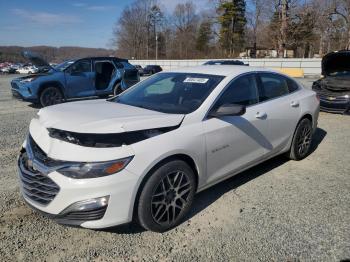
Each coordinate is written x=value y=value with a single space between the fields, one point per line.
x=234 y=142
x=80 y=79
x=131 y=74
x=280 y=103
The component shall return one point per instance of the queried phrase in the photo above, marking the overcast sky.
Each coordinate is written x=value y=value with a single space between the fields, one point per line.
x=86 y=23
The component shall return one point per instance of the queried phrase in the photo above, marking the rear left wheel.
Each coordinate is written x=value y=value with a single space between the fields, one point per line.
x=302 y=139
x=117 y=89
x=167 y=196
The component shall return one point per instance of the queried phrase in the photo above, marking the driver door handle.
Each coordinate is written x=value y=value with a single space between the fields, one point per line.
x=260 y=115
x=294 y=104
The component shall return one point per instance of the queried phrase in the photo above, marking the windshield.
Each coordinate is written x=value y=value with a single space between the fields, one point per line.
x=174 y=93
x=64 y=65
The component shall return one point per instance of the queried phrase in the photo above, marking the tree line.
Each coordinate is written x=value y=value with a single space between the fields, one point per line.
x=49 y=53
x=228 y=28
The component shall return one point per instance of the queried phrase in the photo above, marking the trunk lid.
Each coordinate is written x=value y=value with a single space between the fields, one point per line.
x=336 y=63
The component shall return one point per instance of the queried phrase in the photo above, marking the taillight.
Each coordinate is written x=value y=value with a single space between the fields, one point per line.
x=318 y=97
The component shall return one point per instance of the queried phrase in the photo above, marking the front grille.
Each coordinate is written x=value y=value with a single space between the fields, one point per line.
x=335 y=99
x=35 y=185
x=88 y=215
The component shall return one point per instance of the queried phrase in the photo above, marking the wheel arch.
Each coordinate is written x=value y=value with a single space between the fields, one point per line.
x=179 y=156
x=307 y=116
x=51 y=83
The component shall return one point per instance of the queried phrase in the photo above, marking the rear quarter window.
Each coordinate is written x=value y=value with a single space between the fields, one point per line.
x=127 y=65
x=292 y=85
x=272 y=86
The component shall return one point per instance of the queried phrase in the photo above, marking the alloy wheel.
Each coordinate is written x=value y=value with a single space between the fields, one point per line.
x=51 y=96
x=304 y=140
x=170 y=197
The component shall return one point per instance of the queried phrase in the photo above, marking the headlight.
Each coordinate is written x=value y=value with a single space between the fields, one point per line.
x=26 y=80
x=96 y=169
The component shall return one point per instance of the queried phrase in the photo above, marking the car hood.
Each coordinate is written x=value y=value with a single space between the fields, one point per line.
x=104 y=117
x=36 y=60
x=336 y=62
x=30 y=76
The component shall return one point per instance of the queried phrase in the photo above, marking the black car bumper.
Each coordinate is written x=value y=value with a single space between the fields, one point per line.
x=335 y=104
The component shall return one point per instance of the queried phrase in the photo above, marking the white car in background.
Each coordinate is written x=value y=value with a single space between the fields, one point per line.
x=28 y=70
x=144 y=154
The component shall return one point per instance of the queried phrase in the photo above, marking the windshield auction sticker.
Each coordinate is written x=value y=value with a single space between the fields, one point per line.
x=196 y=80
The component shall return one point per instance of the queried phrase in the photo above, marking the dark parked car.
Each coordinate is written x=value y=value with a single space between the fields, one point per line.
x=225 y=62
x=334 y=86
x=90 y=76
x=140 y=69
x=152 y=69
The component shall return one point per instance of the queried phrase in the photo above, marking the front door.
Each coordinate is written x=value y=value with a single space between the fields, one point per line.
x=80 y=79
x=234 y=142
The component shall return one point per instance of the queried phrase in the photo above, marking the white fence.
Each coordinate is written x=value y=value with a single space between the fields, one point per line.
x=310 y=66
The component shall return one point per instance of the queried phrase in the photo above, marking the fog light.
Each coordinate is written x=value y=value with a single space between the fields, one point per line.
x=86 y=205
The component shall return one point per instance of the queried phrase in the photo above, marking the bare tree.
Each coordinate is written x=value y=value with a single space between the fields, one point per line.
x=341 y=8
x=186 y=22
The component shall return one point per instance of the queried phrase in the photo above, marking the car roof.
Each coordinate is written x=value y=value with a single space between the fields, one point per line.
x=223 y=70
x=103 y=58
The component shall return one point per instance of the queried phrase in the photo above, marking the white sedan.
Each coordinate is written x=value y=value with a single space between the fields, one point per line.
x=144 y=154
x=28 y=70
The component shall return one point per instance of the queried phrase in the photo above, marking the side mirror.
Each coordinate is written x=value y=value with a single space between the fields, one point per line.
x=228 y=110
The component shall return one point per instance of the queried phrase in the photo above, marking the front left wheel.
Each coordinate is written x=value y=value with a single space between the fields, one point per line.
x=50 y=96
x=167 y=196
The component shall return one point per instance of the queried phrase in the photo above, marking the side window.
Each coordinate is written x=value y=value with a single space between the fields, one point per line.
x=119 y=65
x=127 y=65
x=242 y=91
x=273 y=86
x=81 y=66
x=292 y=85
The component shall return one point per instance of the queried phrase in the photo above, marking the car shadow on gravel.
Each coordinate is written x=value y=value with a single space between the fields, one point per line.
x=207 y=197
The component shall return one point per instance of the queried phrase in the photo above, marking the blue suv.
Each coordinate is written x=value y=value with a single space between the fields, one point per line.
x=85 y=77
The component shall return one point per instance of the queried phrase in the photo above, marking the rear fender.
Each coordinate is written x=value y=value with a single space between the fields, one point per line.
x=116 y=78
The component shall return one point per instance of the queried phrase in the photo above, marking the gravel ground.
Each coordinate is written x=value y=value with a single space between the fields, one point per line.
x=280 y=210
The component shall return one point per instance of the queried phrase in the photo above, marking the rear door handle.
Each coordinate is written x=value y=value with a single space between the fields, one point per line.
x=260 y=115
x=294 y=103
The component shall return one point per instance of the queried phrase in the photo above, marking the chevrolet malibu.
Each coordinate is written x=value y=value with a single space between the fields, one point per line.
x=142 y=155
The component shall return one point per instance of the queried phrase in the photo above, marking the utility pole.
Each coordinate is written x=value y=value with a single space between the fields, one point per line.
x=284 y=27
x=156 y=46
x=156 y=36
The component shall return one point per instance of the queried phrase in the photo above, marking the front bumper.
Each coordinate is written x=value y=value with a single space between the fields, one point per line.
x=22 y=92
x=51 y=194
x=334 y=104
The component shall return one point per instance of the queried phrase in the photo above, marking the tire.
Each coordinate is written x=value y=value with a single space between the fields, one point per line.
x=50 y=96
x=117 y=89
x=302 y=140
x=166 y=197
x=29 y=73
